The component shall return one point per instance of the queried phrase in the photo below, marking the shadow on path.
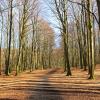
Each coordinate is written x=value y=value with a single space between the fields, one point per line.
x=45 y=91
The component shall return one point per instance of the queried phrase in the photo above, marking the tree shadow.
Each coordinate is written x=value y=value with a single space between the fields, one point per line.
x=46 y=91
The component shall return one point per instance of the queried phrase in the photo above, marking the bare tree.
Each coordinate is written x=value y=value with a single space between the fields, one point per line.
x=90 y=40
x=9 y=47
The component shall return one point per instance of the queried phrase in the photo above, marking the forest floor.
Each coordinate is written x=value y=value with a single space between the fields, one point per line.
x=50 y=84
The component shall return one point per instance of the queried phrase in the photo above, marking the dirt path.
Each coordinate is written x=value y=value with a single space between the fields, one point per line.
x=51 y=84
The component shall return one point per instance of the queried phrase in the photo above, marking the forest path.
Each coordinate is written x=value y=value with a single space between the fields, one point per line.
x=50 y=84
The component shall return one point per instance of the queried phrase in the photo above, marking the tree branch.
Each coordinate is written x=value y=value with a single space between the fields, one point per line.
x=85 y=8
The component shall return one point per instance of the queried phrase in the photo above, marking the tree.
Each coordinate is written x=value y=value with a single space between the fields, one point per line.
x=9 y=46
x=61 y=14
x=90 y=40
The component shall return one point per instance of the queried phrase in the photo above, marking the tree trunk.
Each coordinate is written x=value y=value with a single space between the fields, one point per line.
x=91 y=42
x=9 y=47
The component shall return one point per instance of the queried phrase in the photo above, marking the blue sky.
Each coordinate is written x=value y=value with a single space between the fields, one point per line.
x=47 y=15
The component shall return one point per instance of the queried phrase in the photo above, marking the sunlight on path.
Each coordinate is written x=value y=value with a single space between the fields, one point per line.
x=50 y=85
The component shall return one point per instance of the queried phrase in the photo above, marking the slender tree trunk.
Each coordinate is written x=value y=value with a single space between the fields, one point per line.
x=9 y=47
x=83 y=24
x=65 y=31
x=91 y=42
